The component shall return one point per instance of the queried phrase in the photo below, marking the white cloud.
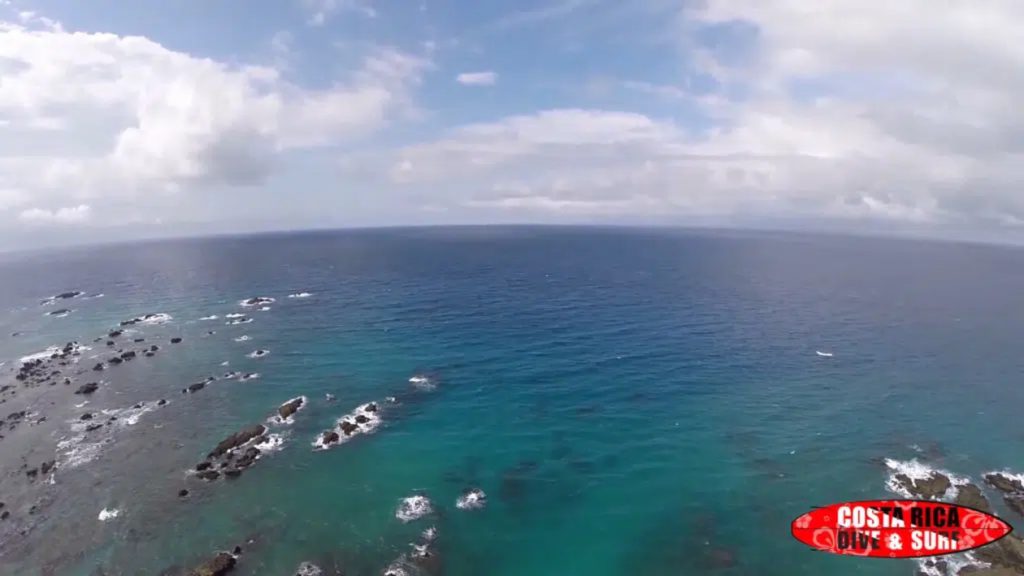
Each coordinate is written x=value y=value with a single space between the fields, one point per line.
x=819 y=111
x=320 y=11
x=477 y=78
x=69 y=215
x=92 y=116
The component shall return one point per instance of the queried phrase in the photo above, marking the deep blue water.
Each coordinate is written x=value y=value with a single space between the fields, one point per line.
x=631 y=401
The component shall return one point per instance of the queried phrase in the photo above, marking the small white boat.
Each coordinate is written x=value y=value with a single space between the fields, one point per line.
x=823 y=354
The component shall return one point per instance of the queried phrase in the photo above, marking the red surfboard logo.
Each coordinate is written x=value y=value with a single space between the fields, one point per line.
x=897 y=528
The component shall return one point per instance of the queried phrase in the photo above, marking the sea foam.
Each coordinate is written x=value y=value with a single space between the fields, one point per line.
x=413 y=508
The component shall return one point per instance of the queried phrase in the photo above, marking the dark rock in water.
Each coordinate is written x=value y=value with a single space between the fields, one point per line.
x=196 y=387
x=208 y=475
x=289 y=408
x=150 y=354
x=161 y=402
x=5 y=515
x=220 y=565
x=1004 y=483
x=67 y=295
x=154 y=348
x=137 y=340
x=128 y=355
x=248 y=458
x=232 y=473
x=93 y=427
x=60 y=312
x=237 y=439
x=205 y=465
x=176 y=340
x=32 y=473
x=330 y=437
x=347 y=427
x=115 y=360
x=360 y=419
x=98 y=367
x=1007 y=553
x=1015 y=502
x=182 y=493
x=931 y=488
x=86 y=416
x=47 y=466
x=237 y=550
x=970 y=495
x=110 y=342
x=115 y=333
x=87 y=388
x=371 y=407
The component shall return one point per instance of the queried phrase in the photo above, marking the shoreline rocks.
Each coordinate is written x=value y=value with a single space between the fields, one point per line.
x=363 y=420
x=1002 y=558
x=1011 y=487
x=257 y=301
x=219 y=565
x=234 y=454
x=289 y=408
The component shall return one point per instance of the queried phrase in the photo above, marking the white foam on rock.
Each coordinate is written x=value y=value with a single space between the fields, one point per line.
x=1008 y=474
x=954 y=563
x=917 y=471
x=273 y=443
x=413 y=508
x=153 y=319
x=234 y=315
x=257 y=301
x=396 y=568
x=211 y=317
x=372 y=422
x=276 y=418
x=108 y=514
x=46 y=354
x=308 y=569
x=42 y=355
x=249 y=376
x=83 y=447
x=238 y=321
x=265 y=309
x=300 y=295
x=258 y=353
x=243 y=338
x=473 y=499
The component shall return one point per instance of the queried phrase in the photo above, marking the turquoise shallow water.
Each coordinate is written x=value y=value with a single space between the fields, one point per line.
x=632 y=402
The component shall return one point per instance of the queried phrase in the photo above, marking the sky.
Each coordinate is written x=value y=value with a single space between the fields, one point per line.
x=140 y=119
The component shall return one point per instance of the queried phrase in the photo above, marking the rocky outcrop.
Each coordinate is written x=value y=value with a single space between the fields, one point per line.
x=219 y=565
x=308 y=569
x=234 y=454
x=237 y=439
x=87 y=388
x=1012 y=488
x=1004 y=482
x=930 y=488
x=257 y=301
x=1006 y=553
x=290 y=407
x=363 y=420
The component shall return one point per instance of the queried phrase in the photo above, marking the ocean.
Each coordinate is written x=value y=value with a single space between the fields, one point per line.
x=630 y=401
